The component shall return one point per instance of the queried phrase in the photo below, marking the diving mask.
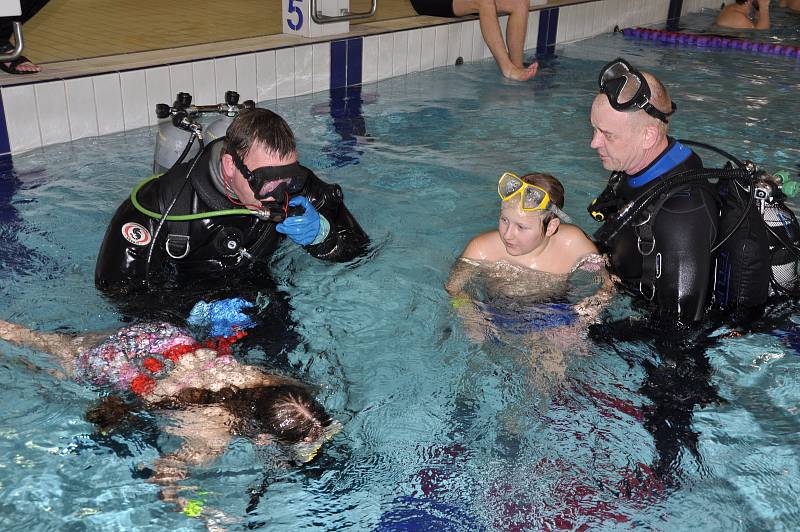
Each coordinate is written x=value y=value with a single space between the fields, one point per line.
x=532 y=198
x=616 y=76
x=273 y=185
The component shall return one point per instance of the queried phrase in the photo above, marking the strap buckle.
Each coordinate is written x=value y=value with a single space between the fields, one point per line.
x=652 y=291
x=178 y=243
x=639 y=242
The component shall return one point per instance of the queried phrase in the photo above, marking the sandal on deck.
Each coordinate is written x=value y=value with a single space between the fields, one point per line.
x=12 y=67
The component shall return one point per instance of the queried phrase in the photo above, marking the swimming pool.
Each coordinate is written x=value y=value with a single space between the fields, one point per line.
x=440 y=433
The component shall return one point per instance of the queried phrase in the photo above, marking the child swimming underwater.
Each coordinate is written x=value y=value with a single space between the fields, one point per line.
x=208 y=395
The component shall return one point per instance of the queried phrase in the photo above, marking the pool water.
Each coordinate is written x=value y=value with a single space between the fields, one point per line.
x=440 y=433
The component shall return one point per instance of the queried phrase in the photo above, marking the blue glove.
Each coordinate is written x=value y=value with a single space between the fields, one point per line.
x=223 y=316
x=307 y=228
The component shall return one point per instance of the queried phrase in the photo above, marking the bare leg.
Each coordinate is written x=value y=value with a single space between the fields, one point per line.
x=63 y=346
x=517 y=27
x=490 y=29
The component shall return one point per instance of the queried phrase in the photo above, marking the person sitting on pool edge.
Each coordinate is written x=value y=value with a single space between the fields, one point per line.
x=508 y=54
x=745 y=14
x=208 y=396
x=533 y=234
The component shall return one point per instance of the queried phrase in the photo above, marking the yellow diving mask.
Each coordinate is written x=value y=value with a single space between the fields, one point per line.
x=532 y=198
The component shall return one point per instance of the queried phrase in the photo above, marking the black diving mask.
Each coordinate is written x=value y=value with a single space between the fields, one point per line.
x=273 y=185
x=616 y=76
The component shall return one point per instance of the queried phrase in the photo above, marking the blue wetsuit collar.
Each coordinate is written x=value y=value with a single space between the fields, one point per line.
x=672 y=157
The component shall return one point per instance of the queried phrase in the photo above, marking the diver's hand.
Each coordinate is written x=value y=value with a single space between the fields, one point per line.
x=223 y=317
x=305 y=228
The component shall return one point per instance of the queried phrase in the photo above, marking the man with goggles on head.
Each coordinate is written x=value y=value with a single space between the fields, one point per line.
x=666 y=259
x=224 y=214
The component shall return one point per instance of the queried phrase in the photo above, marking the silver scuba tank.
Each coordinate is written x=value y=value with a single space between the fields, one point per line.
x=784 y=245
x=181 y=120
x=783 y=234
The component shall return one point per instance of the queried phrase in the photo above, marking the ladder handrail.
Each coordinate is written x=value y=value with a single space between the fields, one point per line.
x=319 y=18
x=17 y=51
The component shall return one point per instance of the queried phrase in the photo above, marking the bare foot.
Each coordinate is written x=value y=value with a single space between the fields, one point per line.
x=522 y=74
x=22 y=65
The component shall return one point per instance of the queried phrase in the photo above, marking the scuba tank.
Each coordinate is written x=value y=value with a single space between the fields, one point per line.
x=174 y=135
x=784 y=234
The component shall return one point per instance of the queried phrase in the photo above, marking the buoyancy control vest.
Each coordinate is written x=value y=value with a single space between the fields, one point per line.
x=217 y=240
x=746 y=253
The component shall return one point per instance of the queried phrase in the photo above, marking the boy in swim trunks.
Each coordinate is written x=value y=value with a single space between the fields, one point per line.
x=508 y=54
x=208 y=395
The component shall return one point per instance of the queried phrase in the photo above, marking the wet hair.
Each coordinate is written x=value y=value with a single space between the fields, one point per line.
x=288 y=412
x=259 y=127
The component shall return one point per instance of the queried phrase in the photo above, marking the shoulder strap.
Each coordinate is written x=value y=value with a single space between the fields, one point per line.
x=178 y=241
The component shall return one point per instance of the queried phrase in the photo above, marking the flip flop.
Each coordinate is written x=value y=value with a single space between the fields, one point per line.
x=12 y=66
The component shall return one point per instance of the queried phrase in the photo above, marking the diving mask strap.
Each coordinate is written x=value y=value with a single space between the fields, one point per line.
x=552 y=207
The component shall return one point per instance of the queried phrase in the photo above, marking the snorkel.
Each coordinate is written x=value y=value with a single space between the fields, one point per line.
x=305 y=452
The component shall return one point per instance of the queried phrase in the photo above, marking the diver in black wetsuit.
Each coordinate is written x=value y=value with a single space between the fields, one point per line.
x=227 y=212
x=664 y=258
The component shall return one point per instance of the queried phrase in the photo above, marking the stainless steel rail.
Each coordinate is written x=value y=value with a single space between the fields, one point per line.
x=319 y=18
x=17 y=51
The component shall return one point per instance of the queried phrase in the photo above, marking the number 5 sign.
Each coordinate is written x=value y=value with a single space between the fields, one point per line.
x=297 y=18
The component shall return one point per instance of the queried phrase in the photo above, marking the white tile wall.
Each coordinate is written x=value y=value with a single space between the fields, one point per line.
x=181 y=79
x=428 y=52
x=400 y=53
x=122 y=101
x=465 y=46
x=453 y=43
x=21 y=117
x=369 y=62
x=108 y=102
x=246 y=84
x=284 y=63
x=81 y=108
x=385 y=55
x=413 y=63
x=266 y=76
x=440 y=47
x=205 y=85
x=158 y=90
x=321 y=53
x=51 y=103
x=224 y=79
x=134 y=99
x=303 y=70
x=479 y=48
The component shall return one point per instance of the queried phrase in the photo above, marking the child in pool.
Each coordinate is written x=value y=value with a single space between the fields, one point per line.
x=533 y=234
x=509 y=285
x=209 y=396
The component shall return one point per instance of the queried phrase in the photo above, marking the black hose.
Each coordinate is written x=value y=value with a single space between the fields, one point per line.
x=174 y=200
x=751 y=200
x=720 y=151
